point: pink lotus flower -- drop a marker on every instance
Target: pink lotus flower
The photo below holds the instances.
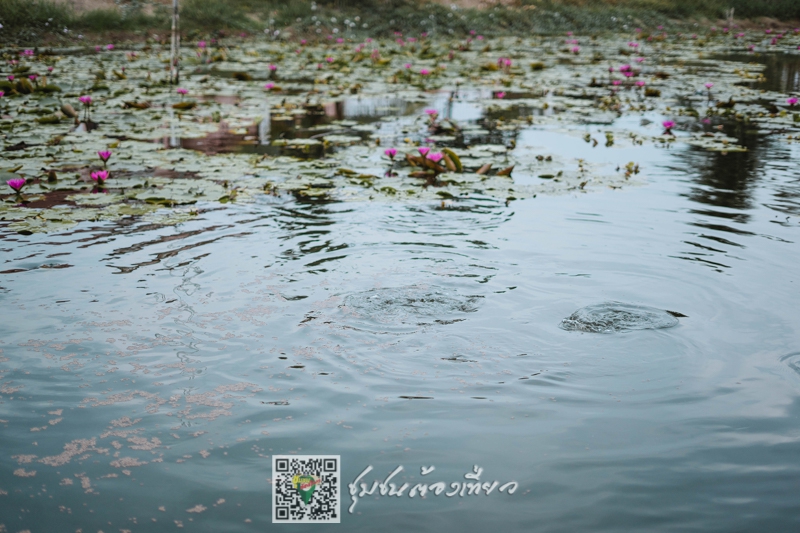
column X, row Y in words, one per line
column 109, row 47
column 33, row 77
column 767, row 31
column 424, row 72
column 390, row 153
column 423, row 150
column 303, row 42
column 2, row 94
column 100, row 176
column 575, row 49
column 98, row 48
column 11, row 77
column 181, row 91
column 624, row 68
column 436, row 157
column 616, row 82
column 708, row 85
column 340, row 40
column 105, row 155
column 479, row 37
column 640, row 83
column 706, row 121
column 49, row 69
column 792, row 101
column 628, row 73
column 201, row 44
column 407, row 65
column 639, row 60
column 329, row 59
column 668, row 125
column 28, row 53
column 368, row 40
column 86, row 100
column 269, row 86
column 432, row 113
column 500, row 95
column 17, row 184
column 273, row 68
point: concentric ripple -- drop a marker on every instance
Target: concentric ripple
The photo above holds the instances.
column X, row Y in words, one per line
column 611, row 317
column 405, row 309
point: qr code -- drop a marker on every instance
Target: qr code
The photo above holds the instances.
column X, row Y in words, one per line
column 306, row 489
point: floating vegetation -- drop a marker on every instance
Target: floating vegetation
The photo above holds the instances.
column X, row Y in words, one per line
column 319, row 129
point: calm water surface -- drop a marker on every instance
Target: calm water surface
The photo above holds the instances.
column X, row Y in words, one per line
column 147, row 370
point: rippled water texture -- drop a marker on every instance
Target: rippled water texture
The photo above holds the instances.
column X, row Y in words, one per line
column 149, row 371
column 615, row 316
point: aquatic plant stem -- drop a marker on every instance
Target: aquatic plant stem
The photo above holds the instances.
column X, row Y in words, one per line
column 174, row 71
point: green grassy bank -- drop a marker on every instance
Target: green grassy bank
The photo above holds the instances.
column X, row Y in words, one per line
column 36, row 21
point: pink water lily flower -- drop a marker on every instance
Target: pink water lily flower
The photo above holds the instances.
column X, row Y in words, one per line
column 109, row 47
column 2, row 94
column 86, row 100
column 105, row 155
column 100, row 176
column 436, row 157
column 423, row 150
column 500, row 95
column 407, row 65
column 269, row 86
column 616, row 82
column 10, row 77
column 181, row 91
column 273, row 68
column 17, row 184
column 432, row 112
column 708, row 85
column 201, row 44
column 424, row 71
column 390, row 153
column 792, row 101
column 640, row 83
column 28, row 53
column 575, row 49
column 329, row 59
column 668, row 125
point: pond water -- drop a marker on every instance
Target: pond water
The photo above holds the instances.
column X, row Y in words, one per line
column 150, row 371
